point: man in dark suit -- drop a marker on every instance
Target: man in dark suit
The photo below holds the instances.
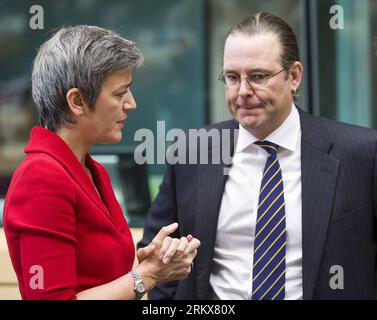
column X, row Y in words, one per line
column 293, row 216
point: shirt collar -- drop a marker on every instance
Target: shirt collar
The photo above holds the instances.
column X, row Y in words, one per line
column 285, row 136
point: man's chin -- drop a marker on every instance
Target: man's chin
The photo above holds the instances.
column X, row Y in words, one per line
column 250, row 112
column 250, row 120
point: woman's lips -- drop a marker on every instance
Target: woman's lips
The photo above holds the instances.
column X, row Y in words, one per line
column 121, row 123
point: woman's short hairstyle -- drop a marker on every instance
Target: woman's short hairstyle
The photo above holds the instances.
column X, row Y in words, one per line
column 77, row 57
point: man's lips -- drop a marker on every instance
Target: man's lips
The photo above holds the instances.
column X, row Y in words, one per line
column 250, row 107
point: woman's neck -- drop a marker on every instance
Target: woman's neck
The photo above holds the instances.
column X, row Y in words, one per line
column 75, row 141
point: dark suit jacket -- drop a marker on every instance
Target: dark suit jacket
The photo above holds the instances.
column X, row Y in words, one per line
column 339, row 197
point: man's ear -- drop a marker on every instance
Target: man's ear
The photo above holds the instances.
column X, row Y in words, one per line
column 75, row 101
column 296, row 74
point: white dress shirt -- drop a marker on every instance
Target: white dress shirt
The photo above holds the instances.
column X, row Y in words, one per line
column 232, row 272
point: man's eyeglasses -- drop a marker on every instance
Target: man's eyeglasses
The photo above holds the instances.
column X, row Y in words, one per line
column 233, row 81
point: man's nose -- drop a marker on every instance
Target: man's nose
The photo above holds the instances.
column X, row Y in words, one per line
column 245, row 88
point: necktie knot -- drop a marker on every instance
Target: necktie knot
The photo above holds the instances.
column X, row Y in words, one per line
column 270, row 147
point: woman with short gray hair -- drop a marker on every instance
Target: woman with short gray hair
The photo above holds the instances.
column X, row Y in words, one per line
column 65, row 230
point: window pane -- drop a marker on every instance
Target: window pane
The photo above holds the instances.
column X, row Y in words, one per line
column 347, row 67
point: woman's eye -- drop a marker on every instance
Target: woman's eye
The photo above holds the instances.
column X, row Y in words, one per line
column 121, row 94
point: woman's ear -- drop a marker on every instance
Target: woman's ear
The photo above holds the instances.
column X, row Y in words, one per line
column 75, row 101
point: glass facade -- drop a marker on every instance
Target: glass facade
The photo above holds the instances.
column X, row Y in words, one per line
column 182, row 42
column 347, row 64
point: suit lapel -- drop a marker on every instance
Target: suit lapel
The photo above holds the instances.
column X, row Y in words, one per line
column 211, row 183
column 45, row 141
column 77, row 172
column 106, row 200
column 210, row 191
column 319, row 172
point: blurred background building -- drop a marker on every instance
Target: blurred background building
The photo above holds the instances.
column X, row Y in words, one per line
column 182, row 41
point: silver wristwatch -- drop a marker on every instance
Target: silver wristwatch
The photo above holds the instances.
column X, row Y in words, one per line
column 139, row 286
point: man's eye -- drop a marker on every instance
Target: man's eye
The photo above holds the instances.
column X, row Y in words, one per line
column 231, row 77
column 258, row 76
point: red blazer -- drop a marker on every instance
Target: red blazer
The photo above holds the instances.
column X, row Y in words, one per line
column 62, row 237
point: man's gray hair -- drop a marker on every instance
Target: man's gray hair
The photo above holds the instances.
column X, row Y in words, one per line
column 77, row 57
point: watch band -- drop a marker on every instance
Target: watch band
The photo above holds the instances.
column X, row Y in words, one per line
column 139, row 286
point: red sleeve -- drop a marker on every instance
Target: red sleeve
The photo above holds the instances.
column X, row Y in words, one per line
column 41, row 212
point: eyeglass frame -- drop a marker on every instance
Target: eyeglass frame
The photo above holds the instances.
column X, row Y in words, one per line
column 221, row 78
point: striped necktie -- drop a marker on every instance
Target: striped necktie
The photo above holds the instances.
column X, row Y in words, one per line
column 270, row 233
